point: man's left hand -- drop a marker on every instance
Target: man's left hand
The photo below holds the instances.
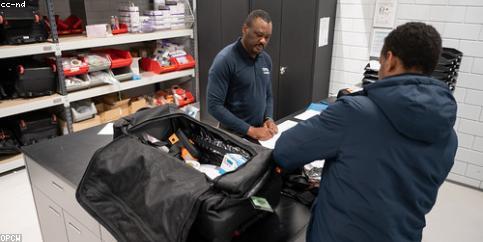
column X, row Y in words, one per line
column 271, row 126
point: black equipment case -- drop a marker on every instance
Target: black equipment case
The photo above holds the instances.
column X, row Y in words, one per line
column 23, row 32
column 32, row 78
column 8, row 143
column 36, row 126
column 141, row 193
column 19, row 10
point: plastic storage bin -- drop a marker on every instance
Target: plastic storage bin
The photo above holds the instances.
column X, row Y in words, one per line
column 97, row 61
column 75, row 83
column 183, row 62
column 119, row 58
column 122, row 73
column 83, row 110
column 148, row 64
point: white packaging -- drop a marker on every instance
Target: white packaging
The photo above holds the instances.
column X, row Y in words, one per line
column 211, row 171
column 177, row 9
column 129, row 8
column 231, row 162
column 135, row 68
column 97, row 30
column 166, row 18
column 130, row 19
column 158, row 3
column 156, row 12
column 162, row 27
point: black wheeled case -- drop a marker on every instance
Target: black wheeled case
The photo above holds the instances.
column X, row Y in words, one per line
column 16, row 32
column 139, row 192
column 19, row 10
column 8, row 142
column 36, row 126
column 33, row 78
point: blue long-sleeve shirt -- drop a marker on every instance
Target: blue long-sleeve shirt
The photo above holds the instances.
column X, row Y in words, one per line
column 239, row 93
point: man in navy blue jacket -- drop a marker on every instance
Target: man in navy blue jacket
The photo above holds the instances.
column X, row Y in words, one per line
column 239, row 93
column 387, row 151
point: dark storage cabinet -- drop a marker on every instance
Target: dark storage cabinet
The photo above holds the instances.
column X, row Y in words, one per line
column 301, row 69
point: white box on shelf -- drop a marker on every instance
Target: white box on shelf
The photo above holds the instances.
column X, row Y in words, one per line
column 177, row 9
column 97, row 30
column 129, row 8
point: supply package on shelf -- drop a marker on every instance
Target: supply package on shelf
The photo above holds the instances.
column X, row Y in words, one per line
column 98, row 67
column 168, row 57
column 175, row 95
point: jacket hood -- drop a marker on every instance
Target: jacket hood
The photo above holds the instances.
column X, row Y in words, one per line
column 418, row 107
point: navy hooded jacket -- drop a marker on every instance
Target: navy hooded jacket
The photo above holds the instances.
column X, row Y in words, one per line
column 387, row 153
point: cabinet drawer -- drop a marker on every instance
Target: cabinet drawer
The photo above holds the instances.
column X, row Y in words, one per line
column 50, row 217
column 77, row 232
column 106, row 236
column 60, row 192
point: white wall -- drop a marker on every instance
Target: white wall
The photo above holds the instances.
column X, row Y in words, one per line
column 460, row 23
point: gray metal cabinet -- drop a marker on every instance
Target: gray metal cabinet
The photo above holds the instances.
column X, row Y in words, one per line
column 50, row 217
column 301, row 68
column 76, row 232
column 60, row 216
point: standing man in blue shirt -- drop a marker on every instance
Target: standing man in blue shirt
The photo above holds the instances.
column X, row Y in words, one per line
column 387, row 151
column 239, row 93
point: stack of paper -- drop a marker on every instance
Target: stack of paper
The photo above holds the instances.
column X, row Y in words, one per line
column 281, row 128
column 312, row 110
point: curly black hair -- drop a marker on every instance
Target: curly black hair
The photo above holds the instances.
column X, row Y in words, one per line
column 258, row 13
column 418, row 45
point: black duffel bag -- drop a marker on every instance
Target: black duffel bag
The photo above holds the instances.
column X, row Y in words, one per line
column 139, row 192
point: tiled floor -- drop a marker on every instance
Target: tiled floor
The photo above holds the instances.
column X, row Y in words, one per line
column 456, row 217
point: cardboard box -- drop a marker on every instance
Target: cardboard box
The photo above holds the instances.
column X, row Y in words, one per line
column 113, row 114
column 135, row 105
column 81, row 125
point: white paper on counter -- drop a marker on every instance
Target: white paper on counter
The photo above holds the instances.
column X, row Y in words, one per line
column 307, row 114
column 107, row 130
column 281, row 128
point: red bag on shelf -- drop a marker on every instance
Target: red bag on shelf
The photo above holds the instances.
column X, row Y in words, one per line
column 75, row 24
column 71, row 25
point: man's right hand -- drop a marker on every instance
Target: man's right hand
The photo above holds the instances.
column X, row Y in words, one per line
column 261, row 133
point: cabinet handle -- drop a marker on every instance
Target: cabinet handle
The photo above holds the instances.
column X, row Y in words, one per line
column 75, row 228
column 58, row 186
column 283, row 69
column 55, row 211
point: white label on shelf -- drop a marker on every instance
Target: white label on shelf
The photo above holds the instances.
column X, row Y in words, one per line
column 57, row 100
column 47, row 48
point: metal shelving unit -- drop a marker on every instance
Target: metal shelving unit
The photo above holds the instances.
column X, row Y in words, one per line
column 17, row 106
column 11, row 162
column 83, row 42
column 7, row 51
column 147, row 78
column 56, row 46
